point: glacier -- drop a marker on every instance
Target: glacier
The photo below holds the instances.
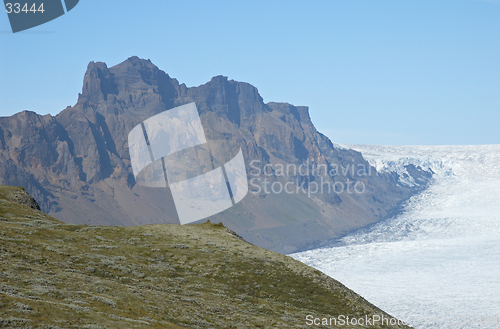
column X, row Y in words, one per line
column 437, row 263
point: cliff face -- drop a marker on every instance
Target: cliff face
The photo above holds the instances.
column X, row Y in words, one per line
column 77, row 166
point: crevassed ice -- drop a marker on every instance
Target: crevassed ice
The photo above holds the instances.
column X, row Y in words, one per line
column 439, row 259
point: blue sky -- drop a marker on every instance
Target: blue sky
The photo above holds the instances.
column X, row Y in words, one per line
column 371, row 71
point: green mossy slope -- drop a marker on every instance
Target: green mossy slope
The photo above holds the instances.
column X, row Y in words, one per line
column 56, row 275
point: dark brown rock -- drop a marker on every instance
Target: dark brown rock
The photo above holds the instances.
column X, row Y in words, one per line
column 77, row 164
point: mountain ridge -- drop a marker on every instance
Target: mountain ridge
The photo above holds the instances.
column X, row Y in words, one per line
column 76, row 164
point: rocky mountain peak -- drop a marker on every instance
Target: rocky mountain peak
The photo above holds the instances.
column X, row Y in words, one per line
column 98, row 82
column 77, row 164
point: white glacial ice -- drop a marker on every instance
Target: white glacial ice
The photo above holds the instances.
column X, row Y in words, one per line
column 437, row 264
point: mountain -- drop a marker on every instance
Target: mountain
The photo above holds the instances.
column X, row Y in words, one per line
column 77, row 165
column 155, row 276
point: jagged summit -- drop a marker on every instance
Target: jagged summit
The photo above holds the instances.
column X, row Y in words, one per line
column 77, row 166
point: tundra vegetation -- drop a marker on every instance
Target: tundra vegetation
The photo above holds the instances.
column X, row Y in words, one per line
column 57, row 275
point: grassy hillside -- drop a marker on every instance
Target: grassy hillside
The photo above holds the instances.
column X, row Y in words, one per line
column 56, row 275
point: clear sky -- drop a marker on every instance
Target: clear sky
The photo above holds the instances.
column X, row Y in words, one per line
column 371, row 71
